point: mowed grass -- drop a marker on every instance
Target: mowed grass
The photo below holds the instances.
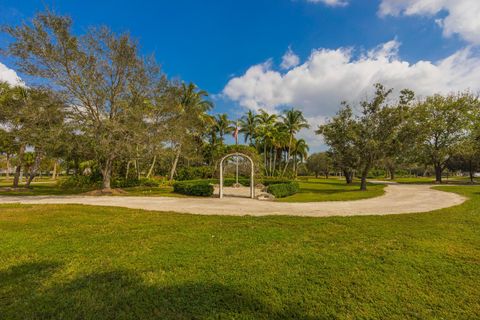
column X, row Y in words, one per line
column 50, row 187
column 311, row 190
column 332, row 189
column 80, row 262
column 431, row 180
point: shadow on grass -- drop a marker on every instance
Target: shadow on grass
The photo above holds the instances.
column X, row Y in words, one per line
column 123, row 294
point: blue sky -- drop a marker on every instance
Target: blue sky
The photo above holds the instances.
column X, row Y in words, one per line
column 214, row 42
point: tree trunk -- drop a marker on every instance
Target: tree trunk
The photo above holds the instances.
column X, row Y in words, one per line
column 271, row 161
column 18, row 169
column 8, row 166
column 174, row 165
column 265, row 155
column 274, row 161
column 34, row 169
column 107, row 175
column 128, row 170
column 363, row 182
column 438, row 173
column 348, row 176
column 288, row 155
column 54, row 173
column 150, row 171
column 295, row 165
column 471, row 171
column 392, row 174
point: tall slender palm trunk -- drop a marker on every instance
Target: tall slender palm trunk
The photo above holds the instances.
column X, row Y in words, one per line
column 175, row 162
column 150, row 171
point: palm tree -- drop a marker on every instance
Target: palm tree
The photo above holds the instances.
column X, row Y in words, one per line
column 248, row 126
column 191, row 116
column 266, row 124
column 279, row 141
column 300, row 149
column 223, row 126
column 294, row 121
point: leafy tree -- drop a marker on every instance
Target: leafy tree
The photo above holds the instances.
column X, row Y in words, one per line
column 294, row 121
column 339, row 135
column 99, row 74
column 223, row 126
column 400, row 147
column 248, row 126
column 266, row 127
column 300, row 150
column 375, row 128
column 188, row 120
column 441, row 124
column 320, row 163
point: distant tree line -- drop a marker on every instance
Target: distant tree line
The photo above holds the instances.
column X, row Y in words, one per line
column 439, row 131
column 101, row 108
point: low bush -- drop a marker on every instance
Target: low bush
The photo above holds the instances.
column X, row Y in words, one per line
column 125, row 183
column 199, row 188
column 81, row 182
column 271, row 181
column 282, row 190
column 228, row 182
column 194, row 173
column 147, row 182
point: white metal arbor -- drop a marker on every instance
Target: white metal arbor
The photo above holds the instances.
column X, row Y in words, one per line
column 252, row 173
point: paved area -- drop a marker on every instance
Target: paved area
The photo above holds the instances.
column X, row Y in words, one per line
column 397, row 199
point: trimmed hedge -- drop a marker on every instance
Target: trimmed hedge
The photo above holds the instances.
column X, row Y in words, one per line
column 199, row 188
column 228, row 182
column 282, row 190
column 269, row 181
column 127, row 183
column 81, row 182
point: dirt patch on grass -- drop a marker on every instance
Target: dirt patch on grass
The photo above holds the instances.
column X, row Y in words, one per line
column 104, row 192
column 11, row 189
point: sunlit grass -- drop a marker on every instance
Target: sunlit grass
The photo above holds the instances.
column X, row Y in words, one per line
column 83, row 262
column 333, row 189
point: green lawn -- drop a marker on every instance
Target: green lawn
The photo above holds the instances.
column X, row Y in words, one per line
column 311, row 190
column 333, row 189
column 431, row 180
column 80, row 262
column 49, row 187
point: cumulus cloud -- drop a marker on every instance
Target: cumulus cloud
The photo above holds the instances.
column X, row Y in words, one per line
column 289, row 60
column 328, row 77
column 462, row 16
column 9, row 75
column 332, row 3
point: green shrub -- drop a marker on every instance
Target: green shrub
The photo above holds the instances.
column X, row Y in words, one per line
column 194, row 173
column 199, row 188
column 121, row 182
column 283, row 190
column 228, row 182
column 271, row 181
column 147, row 182
column 81, row 182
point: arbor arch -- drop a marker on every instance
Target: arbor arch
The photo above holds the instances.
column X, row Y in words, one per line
column 252, row 172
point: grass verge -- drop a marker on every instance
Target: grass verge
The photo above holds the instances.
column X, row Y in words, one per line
column 110, row 263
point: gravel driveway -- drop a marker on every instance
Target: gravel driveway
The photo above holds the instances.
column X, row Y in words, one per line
column 397, row 199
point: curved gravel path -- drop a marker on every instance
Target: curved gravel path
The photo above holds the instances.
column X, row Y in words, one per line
column 397, row 199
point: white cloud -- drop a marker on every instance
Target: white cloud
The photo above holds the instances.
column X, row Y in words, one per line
column 332, row 3
column 289, row 60
column 462, row 17
column 330, row 76
column 9, row 75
